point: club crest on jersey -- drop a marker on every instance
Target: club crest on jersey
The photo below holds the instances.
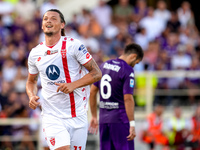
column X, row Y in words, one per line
column 52, row 72
column 50, row 52
column 52, row 141
column 63, row 53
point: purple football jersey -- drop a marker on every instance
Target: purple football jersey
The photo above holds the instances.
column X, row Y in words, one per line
column 117, row 80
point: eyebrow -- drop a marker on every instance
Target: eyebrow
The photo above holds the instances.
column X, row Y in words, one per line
column 50, row 16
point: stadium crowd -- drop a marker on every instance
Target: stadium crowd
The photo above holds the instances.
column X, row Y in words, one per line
column 169, row 38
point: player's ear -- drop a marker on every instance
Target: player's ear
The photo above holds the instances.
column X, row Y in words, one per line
column 62, row 25
column 42, row 23
column 133, row 56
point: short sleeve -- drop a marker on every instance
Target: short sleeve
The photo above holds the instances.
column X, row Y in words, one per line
column 129, row 82
column 96, row 84
column 81, row 53
column 32, row 69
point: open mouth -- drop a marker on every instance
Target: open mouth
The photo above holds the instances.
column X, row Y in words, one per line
column 49, row 26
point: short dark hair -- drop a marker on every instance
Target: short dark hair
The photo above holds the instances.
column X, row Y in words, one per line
column 134, row 48
column 61, row 18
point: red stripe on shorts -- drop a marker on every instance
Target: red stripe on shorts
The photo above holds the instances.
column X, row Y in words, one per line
column 67, row 76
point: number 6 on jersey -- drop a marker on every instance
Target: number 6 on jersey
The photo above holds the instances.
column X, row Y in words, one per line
column 105, row 82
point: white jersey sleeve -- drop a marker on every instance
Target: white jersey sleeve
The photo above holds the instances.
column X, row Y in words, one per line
column 31, row 64
column 81, row 53
column 83, row 56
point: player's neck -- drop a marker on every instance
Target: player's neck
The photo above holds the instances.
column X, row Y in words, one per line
column 124, row 58
column 52, row 40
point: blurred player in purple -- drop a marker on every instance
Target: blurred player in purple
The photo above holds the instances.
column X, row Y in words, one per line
column 116, row 117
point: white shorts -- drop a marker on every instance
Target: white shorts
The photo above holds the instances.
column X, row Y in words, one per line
column 68, row 131
column 42, row 138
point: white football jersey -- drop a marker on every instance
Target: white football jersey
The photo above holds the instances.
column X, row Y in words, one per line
column 63, row 63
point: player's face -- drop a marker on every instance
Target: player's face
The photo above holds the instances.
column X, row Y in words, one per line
column 51, row 23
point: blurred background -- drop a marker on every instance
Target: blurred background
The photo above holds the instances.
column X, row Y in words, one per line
column 168, row 76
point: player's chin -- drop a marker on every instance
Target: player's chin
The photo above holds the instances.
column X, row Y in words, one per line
column 48, row 33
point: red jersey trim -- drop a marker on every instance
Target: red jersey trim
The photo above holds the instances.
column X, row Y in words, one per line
column 68, row 79
column 52, row 45
column 87, row 61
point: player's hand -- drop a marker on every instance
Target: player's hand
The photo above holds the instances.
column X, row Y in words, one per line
column 93, row 128
column 33, row 102
column 65, row 87
column 132, row 134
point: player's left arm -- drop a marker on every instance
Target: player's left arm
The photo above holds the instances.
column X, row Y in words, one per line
column 94, row 75
column 129, row 106
column 93, row 127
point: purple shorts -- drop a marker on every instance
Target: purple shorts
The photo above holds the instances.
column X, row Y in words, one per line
column 113, row 137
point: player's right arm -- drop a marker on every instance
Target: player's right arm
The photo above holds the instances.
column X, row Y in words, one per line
column 93, row 128
column 31, row 90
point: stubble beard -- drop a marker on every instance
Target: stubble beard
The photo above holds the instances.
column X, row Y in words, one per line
column 49, row 34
